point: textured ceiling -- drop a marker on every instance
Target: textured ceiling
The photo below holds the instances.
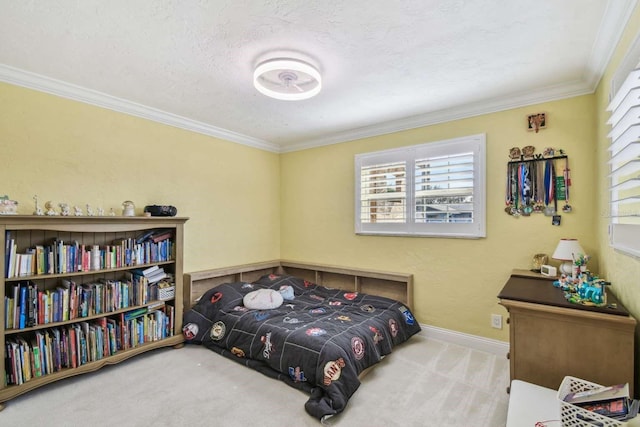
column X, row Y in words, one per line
column 386, row 65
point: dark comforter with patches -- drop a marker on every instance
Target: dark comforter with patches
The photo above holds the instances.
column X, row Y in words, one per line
column 319, row 342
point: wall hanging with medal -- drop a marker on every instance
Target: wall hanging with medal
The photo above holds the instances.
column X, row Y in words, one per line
column 535, row 185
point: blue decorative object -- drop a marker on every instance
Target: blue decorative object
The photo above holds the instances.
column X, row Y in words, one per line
column 586, row 289
column 287, row 292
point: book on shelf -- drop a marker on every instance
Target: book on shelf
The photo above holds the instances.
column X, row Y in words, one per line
column 32, row 304
column 160, row 236
column 156, row 277
column 8, row 312
column 155, row 235
column 23, row 307
column 144, row 236
column 16, row 306
column 36, row 359
column 133, row 314
column 150, row 270
column 7, row 252
column 153, row 274
column 72, row 346
column 25, row 358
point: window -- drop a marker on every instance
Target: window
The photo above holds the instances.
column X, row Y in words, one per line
column 625, row 166
column 435, row 189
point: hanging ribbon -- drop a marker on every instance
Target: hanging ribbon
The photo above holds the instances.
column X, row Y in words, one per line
column 567, row 179
column 548, row 182
column 567, row 184
column 508, row 194
column 539, row 185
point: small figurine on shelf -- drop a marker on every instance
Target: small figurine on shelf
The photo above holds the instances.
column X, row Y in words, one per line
column 64, row 209
column 112, row 212
column 8, row 206
column 38, row 210
column 128, row 208
column 90, row 211
column 100, row 211
column 77, row 210
column 49, row 206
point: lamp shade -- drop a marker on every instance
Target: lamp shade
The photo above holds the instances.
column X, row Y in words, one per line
column 567, row 250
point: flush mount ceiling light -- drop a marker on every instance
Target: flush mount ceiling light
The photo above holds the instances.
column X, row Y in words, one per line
column 287, row 79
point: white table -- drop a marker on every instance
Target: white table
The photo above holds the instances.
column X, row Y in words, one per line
column 530, row 404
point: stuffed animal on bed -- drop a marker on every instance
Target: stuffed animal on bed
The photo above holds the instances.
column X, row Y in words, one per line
column 287, row 292
column 263, row 299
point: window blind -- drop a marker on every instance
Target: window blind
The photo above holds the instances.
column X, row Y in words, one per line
column 444, row 189
column 383, row 193
column 433, row 189
column 624, row 162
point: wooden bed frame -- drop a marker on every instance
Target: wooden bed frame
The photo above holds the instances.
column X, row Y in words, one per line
column 397, row 286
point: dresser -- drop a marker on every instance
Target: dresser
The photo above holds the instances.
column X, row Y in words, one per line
column 550, row 337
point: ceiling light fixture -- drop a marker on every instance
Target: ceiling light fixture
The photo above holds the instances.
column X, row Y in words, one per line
column 287, row 79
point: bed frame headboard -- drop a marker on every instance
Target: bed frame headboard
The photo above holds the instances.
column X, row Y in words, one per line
column 398, row 286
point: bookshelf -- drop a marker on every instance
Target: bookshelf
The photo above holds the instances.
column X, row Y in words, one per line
column 88, row 294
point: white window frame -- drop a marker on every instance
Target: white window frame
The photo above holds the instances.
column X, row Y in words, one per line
column 476, row 229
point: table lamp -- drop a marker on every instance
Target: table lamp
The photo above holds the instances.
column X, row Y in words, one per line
column 567, row 251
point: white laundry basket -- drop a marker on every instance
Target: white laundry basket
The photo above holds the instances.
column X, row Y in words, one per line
column 574, row 416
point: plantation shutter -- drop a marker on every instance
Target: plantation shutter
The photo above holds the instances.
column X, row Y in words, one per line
column 625, row 166
column 444, row 189
column 434, row 189
column 383, row 193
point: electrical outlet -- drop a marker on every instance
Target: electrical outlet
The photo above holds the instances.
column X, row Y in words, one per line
column 496, row 321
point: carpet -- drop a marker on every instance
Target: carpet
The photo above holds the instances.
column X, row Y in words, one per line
column 424, row 382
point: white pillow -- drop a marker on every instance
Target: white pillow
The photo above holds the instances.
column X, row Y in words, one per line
column 263, row 299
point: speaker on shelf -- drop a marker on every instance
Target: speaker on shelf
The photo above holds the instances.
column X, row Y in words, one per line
column 161, row 210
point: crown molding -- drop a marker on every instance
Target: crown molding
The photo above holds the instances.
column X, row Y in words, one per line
column 613, row 24
column 62, row 89
column 77, row 93
column 550, row 93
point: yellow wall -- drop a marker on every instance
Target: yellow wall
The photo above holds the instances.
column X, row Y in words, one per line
column 456, row 281
column 622, row 270
column 250, row 205
column 68, row 151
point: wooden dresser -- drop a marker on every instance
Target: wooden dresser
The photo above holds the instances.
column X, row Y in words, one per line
column 551, row 337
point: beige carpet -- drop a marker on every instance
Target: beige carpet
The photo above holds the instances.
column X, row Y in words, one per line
column 424, row 382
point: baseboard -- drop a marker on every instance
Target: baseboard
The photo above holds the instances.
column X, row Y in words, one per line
column 499, row 348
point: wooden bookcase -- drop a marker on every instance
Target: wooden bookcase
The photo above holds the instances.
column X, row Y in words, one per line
column 115, row 236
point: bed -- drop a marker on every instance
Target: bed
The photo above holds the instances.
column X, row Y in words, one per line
column 318, row 328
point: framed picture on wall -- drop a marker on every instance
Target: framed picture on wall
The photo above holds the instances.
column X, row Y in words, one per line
column 537, row 121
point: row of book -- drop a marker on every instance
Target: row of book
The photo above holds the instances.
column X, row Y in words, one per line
column 27, row 304
column 62, row 257
column 47, row 351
